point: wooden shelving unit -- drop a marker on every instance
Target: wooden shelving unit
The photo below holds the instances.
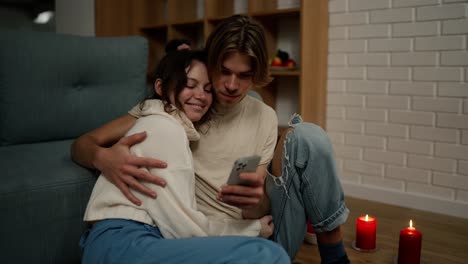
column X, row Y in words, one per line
column 162, row 20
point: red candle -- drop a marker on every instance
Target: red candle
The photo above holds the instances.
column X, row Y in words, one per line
column 366, row 227
column 409, row 249
column 310, row 229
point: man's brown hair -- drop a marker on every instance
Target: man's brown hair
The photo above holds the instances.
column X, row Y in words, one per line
column 239, row 33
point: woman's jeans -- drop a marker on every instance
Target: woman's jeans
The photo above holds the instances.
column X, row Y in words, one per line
column 309, row 187
column 127, row 241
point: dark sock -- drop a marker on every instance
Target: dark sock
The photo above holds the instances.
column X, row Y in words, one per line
column 333, row 254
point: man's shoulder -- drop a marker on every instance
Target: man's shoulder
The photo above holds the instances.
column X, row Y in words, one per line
column 261, row 113
column 260, row 107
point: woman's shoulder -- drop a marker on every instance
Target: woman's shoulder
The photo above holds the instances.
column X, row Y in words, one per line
column 161, row 121
column 151, row 107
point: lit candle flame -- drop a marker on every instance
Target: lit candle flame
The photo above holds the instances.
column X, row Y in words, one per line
column 367, row 218
column 411, row 223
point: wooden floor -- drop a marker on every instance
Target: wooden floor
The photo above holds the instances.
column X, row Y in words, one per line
column 445, row 238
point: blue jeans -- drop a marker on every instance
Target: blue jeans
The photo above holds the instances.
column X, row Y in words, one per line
column 127, row 241
column 309, row 187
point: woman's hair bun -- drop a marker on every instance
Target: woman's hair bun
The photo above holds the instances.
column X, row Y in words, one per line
column 175, row 43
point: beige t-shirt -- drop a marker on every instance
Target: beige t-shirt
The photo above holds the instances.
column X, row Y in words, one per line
column 247, row 128
column 175, row 210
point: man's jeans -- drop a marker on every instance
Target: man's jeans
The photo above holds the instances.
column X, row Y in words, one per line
column 309, row 187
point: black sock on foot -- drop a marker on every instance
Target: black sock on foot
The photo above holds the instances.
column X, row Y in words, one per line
column 333, row 254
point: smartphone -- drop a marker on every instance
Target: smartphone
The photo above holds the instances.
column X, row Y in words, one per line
column 244, row 164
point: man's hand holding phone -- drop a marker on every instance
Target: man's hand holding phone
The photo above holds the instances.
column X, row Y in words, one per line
column 248, row 193
column 245, row 164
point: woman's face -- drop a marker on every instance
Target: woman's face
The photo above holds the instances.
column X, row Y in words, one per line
column 196, row 97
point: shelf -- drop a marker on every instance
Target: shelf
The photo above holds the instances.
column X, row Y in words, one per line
column 217, row 18
column 145, row 28
column 302, row 31
column 276, row 13
column 188, row 23
column 156, row 33
column 193, row 22
column 285, row 73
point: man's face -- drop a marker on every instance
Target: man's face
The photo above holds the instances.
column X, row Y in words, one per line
column 235, row 79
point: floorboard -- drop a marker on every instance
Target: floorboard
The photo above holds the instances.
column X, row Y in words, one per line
column 445, row 238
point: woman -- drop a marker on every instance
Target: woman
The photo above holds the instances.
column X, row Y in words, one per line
column 123, row 232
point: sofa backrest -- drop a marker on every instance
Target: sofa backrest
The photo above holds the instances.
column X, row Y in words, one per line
column 56, row 86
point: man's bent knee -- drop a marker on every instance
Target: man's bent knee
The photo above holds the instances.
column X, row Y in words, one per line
column 308, row 134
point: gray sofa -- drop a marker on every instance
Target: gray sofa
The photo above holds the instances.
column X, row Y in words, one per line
column 54, row 88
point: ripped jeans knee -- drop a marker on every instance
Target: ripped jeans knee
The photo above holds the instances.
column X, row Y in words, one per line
column 281, row 180
column 308, row 180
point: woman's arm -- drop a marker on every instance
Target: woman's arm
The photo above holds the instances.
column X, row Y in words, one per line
column 107, row 150
column 175, row 212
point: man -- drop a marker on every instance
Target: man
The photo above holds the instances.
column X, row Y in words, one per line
column 300, row 182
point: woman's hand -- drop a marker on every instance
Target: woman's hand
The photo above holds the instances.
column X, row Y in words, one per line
column 267, row 226
column 123, row 169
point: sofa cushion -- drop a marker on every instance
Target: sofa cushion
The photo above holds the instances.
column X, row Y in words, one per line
column 43, row 194
column 56, row 86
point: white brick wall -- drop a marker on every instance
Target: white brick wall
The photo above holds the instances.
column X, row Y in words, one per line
column 398, row 101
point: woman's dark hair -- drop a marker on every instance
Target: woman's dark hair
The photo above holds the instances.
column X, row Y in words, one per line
column 172, row 74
